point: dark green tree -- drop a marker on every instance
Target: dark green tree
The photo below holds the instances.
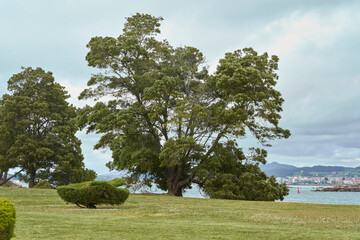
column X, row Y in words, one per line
column 6, row 140
column 38, row 126
column 171, row 123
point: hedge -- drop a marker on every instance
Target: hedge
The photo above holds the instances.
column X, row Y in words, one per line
column 7, row 219
column 90, row 194
column 43, row 184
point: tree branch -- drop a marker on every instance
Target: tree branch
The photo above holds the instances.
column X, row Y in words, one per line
column 216, row 141
column 6, row 180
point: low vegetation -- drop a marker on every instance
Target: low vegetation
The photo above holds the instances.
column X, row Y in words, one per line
column 43, row 184
column 92, row 193
column 7, row 219
column 42, row 214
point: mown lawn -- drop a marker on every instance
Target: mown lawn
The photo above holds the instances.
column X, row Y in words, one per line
column 41, row 214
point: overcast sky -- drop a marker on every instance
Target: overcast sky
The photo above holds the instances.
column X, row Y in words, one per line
column 318, row 43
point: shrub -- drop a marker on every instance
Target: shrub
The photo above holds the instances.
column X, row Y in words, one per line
column 117, row 182
column 93, row 193
column 43, row 184
column 7, row 219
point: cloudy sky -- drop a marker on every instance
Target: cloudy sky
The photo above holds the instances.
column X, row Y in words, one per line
column 318, row 43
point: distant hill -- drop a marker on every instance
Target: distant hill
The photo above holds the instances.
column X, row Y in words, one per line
column 278, row 169
column 284, row 170
column 111, row 175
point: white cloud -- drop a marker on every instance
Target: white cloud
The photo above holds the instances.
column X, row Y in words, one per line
column 74, row 91
column 356, row 160
column 299, row 29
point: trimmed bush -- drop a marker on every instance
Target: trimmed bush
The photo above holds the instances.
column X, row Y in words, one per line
column 117, row 182
column 7, row 219
column 90, row 194
column 43, row 184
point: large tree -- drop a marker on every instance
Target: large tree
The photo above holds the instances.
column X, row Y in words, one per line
column 38, row 128
column 170, row 123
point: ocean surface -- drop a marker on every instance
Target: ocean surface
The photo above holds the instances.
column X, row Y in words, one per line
column 308, row 196
column 305, row 195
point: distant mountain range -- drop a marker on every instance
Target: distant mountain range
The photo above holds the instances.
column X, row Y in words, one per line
column 278, row 170
column 284, row 170
column 111, row 175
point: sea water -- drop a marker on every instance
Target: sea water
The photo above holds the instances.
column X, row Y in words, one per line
column 305, row 195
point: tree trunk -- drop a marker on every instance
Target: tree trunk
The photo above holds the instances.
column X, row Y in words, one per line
column 32, row 179
column 174, row 183
column 175, row 191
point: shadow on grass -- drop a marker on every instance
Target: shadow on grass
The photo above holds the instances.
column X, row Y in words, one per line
column 98, row 208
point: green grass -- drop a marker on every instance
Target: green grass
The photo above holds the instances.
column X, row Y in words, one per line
column 41, row 214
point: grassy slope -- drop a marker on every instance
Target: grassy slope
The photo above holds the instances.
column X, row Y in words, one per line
column 41, row 214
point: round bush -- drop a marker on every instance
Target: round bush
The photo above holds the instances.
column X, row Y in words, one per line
column 90, row 194
column 7, row 219
column 43, row 184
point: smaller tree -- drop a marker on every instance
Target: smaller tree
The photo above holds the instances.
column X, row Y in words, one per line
column 38, row 129
column 90, row 194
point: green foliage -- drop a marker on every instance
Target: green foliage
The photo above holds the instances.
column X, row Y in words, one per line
column 67, row 174
column 90, row 194
column 43, row 184
column 228, row 174
column 38, row 129
column 7, row 219
column 7, row 138
column 168, row 118
column 247, row 186
column 117, row 182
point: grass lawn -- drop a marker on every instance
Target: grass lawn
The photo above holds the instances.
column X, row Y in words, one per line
column 41, row 214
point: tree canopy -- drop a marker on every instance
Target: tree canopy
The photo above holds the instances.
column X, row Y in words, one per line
column 171, row 123
column 38, row 129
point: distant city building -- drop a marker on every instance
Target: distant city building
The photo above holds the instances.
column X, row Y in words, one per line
column 319, row 180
